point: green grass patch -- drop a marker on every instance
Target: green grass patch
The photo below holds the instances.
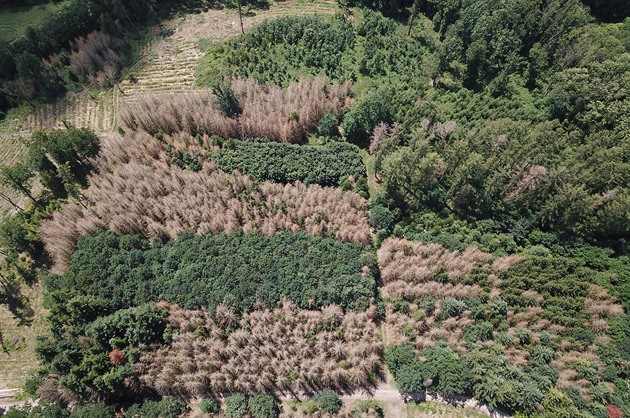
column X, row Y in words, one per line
column 15, row 20
column 430, row 408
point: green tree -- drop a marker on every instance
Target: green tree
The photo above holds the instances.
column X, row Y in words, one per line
column 209, row 406
column 235, row 405
column 19, row 177
column 328, row 401
column 263, row 406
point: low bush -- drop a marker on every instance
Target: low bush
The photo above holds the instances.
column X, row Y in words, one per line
column 236, row 406
column 263, row 406
column 274, row 51
column 328, row 401
column 369, row 406
column 98, row 410
column 167, row 407
column 209, row 406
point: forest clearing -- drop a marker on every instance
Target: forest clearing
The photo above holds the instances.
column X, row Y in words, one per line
column 315, row 208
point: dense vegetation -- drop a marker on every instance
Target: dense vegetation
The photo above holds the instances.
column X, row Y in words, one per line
column 235, row 269
column 329, row 165
column 507, row 136
column 501, row 138
column 139, row 189
column 496, row 136
column 541, row 316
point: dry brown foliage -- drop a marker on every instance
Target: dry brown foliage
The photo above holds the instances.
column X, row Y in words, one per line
column 275, row 351
column 527, row 179
column 566, row 361
column 97, row 58
column 417, row 328
column 136, row 191
column 601, row 305
column 416, row 262
column 504, row 263
column 410, row 291
column 268, row 111
column 382, row 132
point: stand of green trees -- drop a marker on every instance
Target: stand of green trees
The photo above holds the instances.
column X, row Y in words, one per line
column 328, row 165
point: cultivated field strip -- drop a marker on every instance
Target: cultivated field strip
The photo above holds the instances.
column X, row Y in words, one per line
column 169, row 67
column 12, row 147
column 83, row 109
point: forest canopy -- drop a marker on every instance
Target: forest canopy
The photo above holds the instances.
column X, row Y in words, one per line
column 439, row 189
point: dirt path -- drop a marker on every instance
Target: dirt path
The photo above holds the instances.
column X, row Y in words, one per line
column 387, row 395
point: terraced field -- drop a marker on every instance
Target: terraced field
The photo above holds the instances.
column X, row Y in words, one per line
column 12, row 146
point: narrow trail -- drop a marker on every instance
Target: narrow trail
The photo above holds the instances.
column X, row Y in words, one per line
column 395, row 406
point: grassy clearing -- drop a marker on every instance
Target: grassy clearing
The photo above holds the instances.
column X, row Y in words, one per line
column 20, row 360
column 15, row 20
column 432, row 409
column 373, row 185
column 12, row 147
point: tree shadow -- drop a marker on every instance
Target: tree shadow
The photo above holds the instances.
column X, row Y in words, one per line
column 15, row 300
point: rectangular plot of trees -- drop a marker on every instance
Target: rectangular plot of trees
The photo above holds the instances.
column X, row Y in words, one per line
column 240, row 270
column 286, row 163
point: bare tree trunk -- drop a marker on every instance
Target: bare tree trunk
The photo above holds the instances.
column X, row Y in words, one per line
column 8, row 199
column 240, row 15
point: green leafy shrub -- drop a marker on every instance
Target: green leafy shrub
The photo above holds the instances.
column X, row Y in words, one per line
column 359, row 122
column 263, row 406
column 43, row 409
column 541, row 354
column 144, row 324
column 328, row 401
column 287, row 163
column 167, row 407
column 381, row 218
column 328, row 125
column 235, row 405
column 368, row 405
column 480, row 331
column 410, row 380
column 309, row 407
column 398, row 357
column 98, row 410
column 281, row 50
column 227, row 102
column 524, row 335
column 209, row 406
column 451, row 307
